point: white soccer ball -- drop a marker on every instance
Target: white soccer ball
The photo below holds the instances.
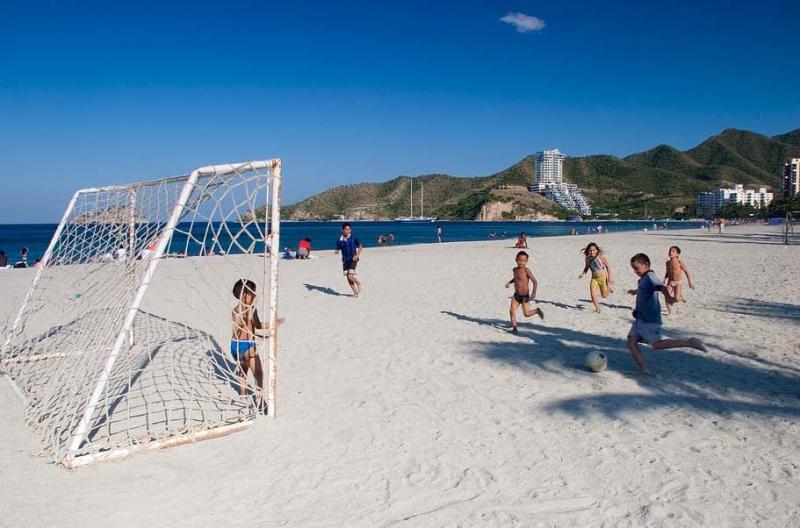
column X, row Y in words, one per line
column 596, row 361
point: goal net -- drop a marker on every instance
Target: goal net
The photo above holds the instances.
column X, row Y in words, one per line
column 791, row 228
column 130, row 336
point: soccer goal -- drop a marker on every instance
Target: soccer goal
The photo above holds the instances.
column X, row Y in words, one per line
column 123, row 341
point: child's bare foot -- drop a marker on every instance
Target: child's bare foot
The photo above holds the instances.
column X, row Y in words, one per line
column 514, row 330
column 644, row 371
column 541, row 313
column 697, row 344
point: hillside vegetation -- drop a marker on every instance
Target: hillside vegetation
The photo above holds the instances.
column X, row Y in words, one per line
column 656, row 183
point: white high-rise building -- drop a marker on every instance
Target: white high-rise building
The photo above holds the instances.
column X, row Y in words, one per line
column 549, row 167
column 548, row 180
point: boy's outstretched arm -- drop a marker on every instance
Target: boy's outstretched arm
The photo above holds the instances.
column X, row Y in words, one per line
column 688, row 277
column 667, row 296
column 534, row 283
column 585, row 269
column 608, row 269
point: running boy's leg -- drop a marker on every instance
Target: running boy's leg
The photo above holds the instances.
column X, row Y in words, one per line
column 513, row 313
column 526, row 309
column 355, row 285
column 692, row 342
column 633, row 346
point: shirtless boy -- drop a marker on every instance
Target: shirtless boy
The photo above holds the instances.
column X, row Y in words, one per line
column 522, row 295
column 673, row 276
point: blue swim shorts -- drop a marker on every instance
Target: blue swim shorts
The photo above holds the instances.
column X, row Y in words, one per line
column 239, row 349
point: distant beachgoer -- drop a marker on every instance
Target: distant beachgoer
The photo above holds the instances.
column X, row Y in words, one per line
column 599, row 229
column 522, row 241
column 674, row 276
column 351, row 249
column 287, row 254
column 3, row 259
column 23, row 258
column 522, row 275
column 390, row 238
column 38, row 263
column 602, row 279
column 304, row 248
column 574, row 231
column 243, row 337
column 646, row 326
column 381, row 239
column 439, row 233
column 492, row 235
column 721, row 226
column 120, row 253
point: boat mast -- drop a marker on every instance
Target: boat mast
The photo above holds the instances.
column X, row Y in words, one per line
column 412, row 198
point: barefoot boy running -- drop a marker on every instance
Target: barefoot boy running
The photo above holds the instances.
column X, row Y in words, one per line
column 647, row 326
column 522, row 296
column 674, row 276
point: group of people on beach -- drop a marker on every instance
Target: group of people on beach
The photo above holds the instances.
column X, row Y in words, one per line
column 21, row 263
column 646, row 327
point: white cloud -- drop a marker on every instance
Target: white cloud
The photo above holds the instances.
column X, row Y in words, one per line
column 523, row 23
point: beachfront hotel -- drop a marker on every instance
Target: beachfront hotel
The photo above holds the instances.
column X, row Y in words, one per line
column 710, row 203
column 791, row 178
column 548, row 181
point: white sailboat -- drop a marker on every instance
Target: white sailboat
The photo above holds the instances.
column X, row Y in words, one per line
column 421, row 218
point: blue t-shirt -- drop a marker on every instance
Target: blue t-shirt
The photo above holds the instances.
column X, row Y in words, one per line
column 348, row 247
column 648, row 307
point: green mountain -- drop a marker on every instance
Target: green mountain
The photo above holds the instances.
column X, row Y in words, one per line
column 655, row 182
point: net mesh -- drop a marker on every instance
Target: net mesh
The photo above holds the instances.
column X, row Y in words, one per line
column 123, row 282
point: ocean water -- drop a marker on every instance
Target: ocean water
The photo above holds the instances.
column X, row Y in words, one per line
column 36, row 237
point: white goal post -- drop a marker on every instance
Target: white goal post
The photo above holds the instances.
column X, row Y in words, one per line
column 122, row 340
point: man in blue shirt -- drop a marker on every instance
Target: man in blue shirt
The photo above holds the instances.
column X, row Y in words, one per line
column 647, row 326
column 351, row 248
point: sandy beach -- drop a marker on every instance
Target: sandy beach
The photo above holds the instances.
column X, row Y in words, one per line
column 415, row 406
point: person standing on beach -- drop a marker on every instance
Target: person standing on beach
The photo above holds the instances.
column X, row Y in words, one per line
column 439, row 233
column 3, row 259
column 602, row 280
column 646, row 326
column 351, row 248
column 522, row 295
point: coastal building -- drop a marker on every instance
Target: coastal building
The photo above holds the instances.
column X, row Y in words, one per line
column 791, row 178
column 709, row 203
column 548, row 181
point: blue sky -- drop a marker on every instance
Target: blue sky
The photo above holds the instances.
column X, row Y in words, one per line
column 100, row 92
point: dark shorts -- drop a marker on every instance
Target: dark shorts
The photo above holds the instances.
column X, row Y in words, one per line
column 349, row 266
column 522, row 298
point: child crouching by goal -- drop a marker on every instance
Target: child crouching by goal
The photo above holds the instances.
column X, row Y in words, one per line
column 243, row 344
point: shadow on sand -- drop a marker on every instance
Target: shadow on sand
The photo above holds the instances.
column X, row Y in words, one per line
column 325, row 290
column 684, row 378
column 759, row 308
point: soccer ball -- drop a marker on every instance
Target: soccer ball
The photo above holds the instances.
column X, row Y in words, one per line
column 596, row 361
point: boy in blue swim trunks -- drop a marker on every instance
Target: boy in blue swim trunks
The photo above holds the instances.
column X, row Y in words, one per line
column 646, row 327
column 243, row 339
column 351, row 248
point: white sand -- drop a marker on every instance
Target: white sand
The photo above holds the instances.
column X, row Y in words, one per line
column 413, row 406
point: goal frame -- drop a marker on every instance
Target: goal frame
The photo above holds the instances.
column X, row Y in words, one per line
column 272, row 252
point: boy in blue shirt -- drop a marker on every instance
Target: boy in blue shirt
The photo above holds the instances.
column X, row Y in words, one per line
column 351, row 248
column 647, row 326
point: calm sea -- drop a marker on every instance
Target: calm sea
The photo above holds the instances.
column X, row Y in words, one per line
column 36, row 237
